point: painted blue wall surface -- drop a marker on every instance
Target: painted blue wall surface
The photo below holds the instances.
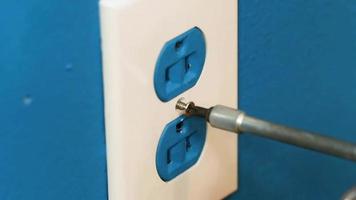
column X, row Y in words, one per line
column 297, row 67
column 52, row 144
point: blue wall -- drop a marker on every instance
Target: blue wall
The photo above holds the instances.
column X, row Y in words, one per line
column 51, row 106
column 297, row 67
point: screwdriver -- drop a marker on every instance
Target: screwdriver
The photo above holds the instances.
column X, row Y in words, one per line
column 233, row 120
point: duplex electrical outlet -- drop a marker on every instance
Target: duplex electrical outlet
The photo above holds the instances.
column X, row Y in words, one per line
column 179, row 64
column 180, row 146
column 178, row 68
column 133, row 34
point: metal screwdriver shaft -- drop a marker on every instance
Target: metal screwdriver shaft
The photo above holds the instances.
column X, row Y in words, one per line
column 233, row 120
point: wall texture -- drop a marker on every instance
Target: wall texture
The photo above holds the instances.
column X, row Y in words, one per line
column 297, row 67
column 51, row 109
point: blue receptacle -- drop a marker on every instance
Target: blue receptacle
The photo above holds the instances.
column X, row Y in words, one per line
column 179, row 64
column 180, row 146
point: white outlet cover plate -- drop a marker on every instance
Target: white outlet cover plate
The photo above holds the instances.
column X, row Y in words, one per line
column 133, row 33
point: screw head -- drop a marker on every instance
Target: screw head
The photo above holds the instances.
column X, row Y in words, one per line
column 183, row 106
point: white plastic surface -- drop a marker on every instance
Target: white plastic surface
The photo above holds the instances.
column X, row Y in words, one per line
column 133, row 33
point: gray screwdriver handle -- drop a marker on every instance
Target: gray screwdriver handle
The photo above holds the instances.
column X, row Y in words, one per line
column 230, row 119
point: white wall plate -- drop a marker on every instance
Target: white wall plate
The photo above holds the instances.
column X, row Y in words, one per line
column 133, row 33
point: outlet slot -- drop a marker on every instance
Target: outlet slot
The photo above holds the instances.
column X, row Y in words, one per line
column 187, row 144
column 178, row 45
column 179, row 127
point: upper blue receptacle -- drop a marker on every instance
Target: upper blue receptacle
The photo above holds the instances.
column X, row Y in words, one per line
column 179, row 64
